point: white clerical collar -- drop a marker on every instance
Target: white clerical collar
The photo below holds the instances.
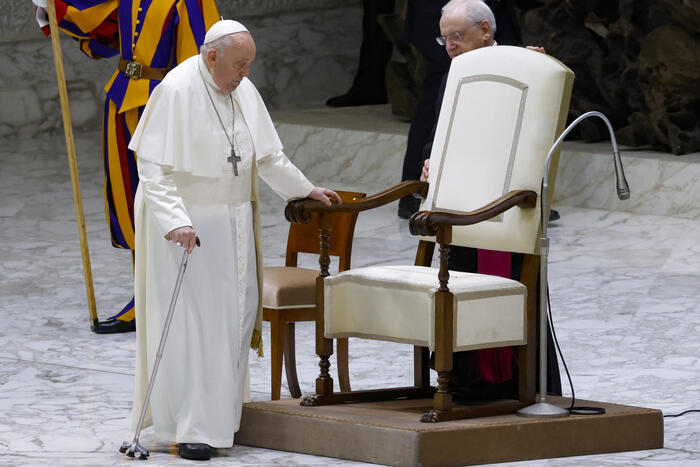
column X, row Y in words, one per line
column 204, row 71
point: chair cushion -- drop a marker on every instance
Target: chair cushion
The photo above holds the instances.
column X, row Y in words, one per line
column 285, row 287
column 397, row 303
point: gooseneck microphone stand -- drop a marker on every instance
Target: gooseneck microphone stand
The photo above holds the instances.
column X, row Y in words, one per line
column 543, row 409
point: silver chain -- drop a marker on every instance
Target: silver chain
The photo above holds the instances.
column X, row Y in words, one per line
column 233, row 111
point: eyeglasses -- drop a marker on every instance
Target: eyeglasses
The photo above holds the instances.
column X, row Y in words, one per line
column 455, row 36
column 452, row 37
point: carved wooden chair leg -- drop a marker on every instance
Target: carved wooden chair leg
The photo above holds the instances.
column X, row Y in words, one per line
column 443, row 350
column 276, row 349
column 444, row 314
column 442, row 399
column 324, row 346
column 290, row 365
column 324, row 381
column 342, row 362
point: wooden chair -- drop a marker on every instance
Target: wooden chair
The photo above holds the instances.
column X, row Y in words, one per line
column 503, row 108
column 289, row 294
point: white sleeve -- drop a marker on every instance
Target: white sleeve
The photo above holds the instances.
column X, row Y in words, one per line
column 42, row 18
column 162, row 199
column 283, row 176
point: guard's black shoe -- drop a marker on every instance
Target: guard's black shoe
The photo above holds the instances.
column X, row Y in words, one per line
column 408, row 206
column 195, row 451
column 115, row 326
column 554, row 215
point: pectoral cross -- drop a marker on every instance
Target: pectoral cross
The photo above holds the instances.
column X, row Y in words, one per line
column 234, row 160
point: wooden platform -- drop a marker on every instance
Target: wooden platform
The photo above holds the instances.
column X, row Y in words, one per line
column 390, row 433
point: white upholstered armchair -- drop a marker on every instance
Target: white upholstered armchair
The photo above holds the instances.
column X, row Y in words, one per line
column 503, row 108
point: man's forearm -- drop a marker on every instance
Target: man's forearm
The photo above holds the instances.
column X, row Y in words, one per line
column 283, row 176
column 161, row 196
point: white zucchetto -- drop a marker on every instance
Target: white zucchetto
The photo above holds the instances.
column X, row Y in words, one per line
column 223, row 28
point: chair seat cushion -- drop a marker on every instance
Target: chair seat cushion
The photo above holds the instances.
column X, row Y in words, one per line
column 285, row 287
column 397, row 303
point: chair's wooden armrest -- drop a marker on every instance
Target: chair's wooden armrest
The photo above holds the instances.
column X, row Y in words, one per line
column 299, row 210
column 428, row 223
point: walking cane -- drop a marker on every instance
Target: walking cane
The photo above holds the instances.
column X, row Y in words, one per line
column 133, row 446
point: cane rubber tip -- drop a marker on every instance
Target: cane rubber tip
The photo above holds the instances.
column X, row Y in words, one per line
column 122, row 449
column 130, row 454
column 143, row 457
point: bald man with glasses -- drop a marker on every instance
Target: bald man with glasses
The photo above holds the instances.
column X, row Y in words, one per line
column 420, row 30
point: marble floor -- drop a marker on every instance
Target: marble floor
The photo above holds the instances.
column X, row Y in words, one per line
column 625, row 293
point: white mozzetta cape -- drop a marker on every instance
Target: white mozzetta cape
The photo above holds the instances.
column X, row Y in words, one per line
column 178, row 133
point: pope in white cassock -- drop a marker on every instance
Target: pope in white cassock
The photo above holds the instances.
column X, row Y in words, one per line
column 202, row 141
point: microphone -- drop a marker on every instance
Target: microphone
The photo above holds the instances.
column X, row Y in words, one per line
column 543, row 409
column 623, row 189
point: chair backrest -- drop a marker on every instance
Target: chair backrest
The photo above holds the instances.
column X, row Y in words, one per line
column 502, row 110
column 304, row 238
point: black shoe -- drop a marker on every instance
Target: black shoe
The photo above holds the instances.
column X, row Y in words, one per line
column 195, row 451
column 408, row 206
column 114, row 326
column 554, row 215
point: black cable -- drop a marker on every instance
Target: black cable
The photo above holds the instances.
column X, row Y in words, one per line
column 573, row 410
column 682, row 413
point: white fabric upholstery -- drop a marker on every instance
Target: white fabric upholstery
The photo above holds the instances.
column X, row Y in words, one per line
column 502, row 110
column 397, row 303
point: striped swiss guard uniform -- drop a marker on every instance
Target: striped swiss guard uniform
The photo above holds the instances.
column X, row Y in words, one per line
column 151, row 37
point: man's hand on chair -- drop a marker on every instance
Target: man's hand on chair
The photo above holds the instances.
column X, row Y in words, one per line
column 325, row 195
column 536, row 49
column 426, row 171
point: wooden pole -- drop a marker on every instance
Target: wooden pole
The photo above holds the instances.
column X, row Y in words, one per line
column 72, row 163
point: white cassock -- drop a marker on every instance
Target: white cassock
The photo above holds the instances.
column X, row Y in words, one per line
column 185, row 179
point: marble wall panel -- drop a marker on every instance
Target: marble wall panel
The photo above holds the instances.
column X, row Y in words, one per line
column 17, row 21
column 660, row 184
column 303, row 58
column 307, row 52
column 29, row 95
column 371, row 160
